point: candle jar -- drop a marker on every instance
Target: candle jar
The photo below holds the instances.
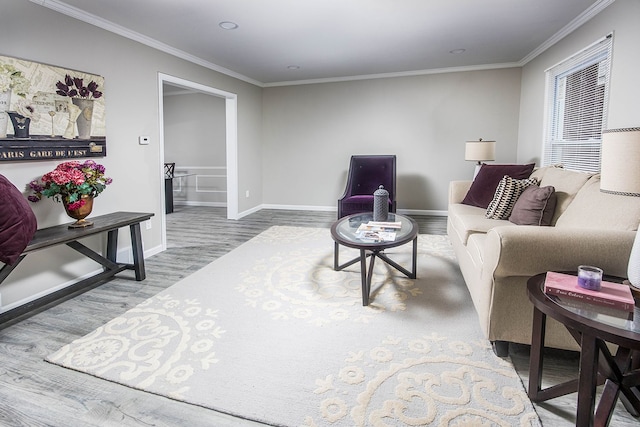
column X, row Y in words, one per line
column 589, row 277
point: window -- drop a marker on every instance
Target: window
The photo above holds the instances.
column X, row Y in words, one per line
column 576, row 101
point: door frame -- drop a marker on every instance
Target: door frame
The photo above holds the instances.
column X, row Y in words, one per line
column 231, row 136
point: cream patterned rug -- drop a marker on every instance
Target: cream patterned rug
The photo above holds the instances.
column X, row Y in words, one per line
column 269, row 332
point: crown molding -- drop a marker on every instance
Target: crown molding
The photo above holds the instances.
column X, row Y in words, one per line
column 397, row 74
column 80, row 15
column 581, row 19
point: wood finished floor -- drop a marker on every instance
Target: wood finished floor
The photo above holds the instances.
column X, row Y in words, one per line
column 35, row 393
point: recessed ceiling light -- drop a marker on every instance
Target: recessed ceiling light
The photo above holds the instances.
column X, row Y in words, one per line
column 228, row 25
column 293, row 67
column 454, row 51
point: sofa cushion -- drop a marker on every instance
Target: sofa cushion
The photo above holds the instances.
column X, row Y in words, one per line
column 539, row 172
column 17, row 222
column 535, row 206
column 593, row 209
column 467, row 220
column 567, row 184
column 485, row 183
column 506, row 195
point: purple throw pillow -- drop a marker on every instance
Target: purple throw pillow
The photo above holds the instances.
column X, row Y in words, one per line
column 18, row 223
column 484, row 185
column 535, row 206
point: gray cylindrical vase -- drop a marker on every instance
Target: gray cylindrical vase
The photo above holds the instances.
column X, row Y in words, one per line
column 380, row 204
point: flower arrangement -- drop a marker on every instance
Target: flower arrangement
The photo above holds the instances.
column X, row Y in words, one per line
column 11, row 78
column 69, row 181
column 74, row 87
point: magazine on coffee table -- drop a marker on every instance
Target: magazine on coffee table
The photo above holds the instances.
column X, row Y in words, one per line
column 376, row 236
column 380, row 226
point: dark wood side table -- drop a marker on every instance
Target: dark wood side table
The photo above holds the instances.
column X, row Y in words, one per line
column 343, row 233
column 592, row 329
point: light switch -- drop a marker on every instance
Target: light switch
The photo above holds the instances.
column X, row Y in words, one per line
column 143, row 140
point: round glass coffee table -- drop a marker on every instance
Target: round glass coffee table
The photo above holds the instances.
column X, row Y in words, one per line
column 592, row 327
column 344, row 232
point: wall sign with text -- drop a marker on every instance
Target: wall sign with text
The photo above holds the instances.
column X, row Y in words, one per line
column 48, row 112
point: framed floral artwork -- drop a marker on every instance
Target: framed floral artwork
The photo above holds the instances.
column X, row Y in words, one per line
column 49, row 112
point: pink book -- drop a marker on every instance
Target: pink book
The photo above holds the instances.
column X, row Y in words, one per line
column 614, row 295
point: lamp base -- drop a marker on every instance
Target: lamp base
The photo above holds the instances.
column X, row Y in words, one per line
column 475, row 172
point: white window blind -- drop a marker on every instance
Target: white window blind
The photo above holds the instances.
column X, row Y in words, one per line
column 577, row 93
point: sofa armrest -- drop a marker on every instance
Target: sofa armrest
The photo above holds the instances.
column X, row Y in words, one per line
column 457, row 190
column 530, row 250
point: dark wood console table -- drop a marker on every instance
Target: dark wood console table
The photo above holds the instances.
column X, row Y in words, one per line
column 62, row 234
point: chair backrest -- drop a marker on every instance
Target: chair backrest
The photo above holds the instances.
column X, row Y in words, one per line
column 368, row 173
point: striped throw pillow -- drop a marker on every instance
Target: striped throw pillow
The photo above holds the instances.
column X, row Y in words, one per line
column 506, row 195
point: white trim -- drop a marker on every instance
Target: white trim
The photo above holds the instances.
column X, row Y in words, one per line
column 335, row 209
column 199, row 190
column 197, row 203
column 231, row 124
column 581, row 19
column 199, row 167
column 398, row 74
column 581, row 51
column 123, row 255
column 140, row 38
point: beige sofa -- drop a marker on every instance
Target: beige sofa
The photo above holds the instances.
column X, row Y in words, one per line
column 497, row 257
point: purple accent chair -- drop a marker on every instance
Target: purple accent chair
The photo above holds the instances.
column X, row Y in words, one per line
column 366, row 175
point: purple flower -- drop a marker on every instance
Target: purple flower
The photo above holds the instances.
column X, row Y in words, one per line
column 35, row 186
column 67, row 88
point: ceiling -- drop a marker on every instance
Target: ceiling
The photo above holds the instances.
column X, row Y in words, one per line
column 288, row 41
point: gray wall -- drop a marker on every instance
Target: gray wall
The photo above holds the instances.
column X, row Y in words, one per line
column 194, row 138
column 621, row 17
column 294, row 142
column 132, row 109
column 310, row 132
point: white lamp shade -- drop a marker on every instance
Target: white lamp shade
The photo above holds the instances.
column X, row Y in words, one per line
column 620, row 174
column 620, row 162
column 480, row 151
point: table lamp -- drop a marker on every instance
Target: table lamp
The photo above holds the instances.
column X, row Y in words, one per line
column 479, row 151
column 620, row 174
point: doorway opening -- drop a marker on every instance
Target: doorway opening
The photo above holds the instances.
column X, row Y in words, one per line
column 231, row 141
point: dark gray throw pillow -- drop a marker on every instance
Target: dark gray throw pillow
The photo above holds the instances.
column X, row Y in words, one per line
column 535, row 206
column 485, row 183
column 17, row 222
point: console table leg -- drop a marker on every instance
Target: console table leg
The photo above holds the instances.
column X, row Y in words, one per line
column 138, row 254
column 112, row 245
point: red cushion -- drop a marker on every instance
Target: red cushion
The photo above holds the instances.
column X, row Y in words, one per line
column 17, row 222
column 484, row 185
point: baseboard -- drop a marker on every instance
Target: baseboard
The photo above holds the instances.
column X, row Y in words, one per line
column 427, row 212
column 335, row 209
column 197, row 203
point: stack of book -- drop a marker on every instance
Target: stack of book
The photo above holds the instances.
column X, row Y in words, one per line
column 376, row 232
column 613, row 299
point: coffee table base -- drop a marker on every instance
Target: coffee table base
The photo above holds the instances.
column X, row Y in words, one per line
column 366, row 274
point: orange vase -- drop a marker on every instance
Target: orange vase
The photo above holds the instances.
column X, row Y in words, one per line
column 81, row 213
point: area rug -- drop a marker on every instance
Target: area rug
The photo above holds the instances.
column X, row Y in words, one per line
column 270, row 332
